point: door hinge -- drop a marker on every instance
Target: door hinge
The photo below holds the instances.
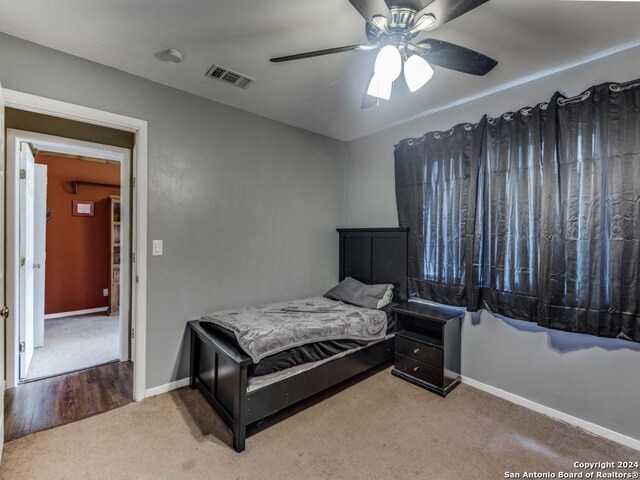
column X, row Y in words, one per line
column 4, row 313
column 23, row 174
column 22, row 261
column 21, row 347
column 132, row 333
column 133, row 257
column 133, row 182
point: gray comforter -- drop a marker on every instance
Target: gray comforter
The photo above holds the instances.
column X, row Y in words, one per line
column 269, row 329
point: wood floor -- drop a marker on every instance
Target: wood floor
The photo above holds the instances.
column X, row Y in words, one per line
column 55, row 401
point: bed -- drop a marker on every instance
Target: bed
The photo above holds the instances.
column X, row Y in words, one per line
column 243, row 391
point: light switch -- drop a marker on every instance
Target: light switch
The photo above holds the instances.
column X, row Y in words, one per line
column 157, row 248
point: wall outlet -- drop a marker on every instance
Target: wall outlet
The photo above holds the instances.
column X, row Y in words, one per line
column 105, row 292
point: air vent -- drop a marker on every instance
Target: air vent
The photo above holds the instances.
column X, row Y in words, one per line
column 229, row 76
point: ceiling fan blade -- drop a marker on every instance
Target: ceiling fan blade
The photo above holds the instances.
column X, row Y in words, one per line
column 370, row 8
column 447, row 10
column 455, row 57
column 318, row 53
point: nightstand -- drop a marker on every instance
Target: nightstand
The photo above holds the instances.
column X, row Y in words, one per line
column 427, row 346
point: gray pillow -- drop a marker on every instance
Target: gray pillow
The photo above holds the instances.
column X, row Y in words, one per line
column 357, row 293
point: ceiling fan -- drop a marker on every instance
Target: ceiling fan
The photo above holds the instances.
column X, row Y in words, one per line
column 392, row 26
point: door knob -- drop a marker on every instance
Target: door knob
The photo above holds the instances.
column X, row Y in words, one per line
column 36, row 265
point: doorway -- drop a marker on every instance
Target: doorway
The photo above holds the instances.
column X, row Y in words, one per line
column 52, row 333
column 58, row 115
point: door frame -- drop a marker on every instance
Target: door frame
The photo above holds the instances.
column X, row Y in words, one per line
column 15, row 138
column 139, row 154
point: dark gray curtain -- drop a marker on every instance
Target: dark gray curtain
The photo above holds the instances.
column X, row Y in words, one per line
column 590, row 242
column 436, row 178
column 506, row 250
column 534, row 215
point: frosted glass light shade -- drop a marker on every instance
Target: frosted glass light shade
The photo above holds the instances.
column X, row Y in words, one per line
column 417, row 72
column 388, row 64
column 380, row 87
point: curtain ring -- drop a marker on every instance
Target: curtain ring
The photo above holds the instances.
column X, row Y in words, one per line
column 491, row 120
column 526, row 111
column 618, row 87
column 469, row 126
column 437, row 135
column 544, row 105
column 578, row 98
column 508, row 116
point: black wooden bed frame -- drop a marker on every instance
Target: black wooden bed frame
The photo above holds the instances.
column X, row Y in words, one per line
column 220, row 370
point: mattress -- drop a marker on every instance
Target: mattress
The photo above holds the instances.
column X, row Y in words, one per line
column 300, row 355
column 255, row 383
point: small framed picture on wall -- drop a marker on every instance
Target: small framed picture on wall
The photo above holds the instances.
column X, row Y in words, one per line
column 83, row 208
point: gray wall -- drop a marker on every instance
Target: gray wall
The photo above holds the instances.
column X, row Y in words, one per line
column 247, row 207
column 597, row 380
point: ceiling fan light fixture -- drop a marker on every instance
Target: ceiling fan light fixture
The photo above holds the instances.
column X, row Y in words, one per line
column 417, row 72
column 388, row 64
column 425, row 22
column 380, row 87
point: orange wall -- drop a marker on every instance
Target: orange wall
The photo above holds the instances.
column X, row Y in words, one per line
column 77, row 265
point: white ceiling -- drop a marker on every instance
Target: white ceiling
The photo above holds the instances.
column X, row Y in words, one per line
column 321, row 94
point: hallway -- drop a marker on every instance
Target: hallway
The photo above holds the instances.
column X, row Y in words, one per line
column 55, row 401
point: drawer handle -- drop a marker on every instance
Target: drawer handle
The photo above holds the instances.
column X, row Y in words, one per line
column 415, row 352
column 415, row 369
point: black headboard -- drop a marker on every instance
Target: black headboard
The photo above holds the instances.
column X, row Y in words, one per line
column 375, row 255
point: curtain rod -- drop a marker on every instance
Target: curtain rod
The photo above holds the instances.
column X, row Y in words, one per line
column 614, row 87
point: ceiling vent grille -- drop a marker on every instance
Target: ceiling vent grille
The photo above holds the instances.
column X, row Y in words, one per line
column 229, row 76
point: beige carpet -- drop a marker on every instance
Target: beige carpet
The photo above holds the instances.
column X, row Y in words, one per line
column 381, row 428
column 72, row 343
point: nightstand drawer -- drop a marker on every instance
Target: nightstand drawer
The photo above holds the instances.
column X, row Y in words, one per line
column 419, row 351
column 419, row 370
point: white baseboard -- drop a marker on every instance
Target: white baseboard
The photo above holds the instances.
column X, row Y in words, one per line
column 167, row 387
column 75, row 313
column 558, row 415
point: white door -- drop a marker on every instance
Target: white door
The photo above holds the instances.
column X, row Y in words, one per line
column 26, row 199
column 39, row 251
column 2, row 299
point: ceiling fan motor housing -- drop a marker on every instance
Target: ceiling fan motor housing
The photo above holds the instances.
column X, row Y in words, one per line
column 396, row 32
column 402, row 18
